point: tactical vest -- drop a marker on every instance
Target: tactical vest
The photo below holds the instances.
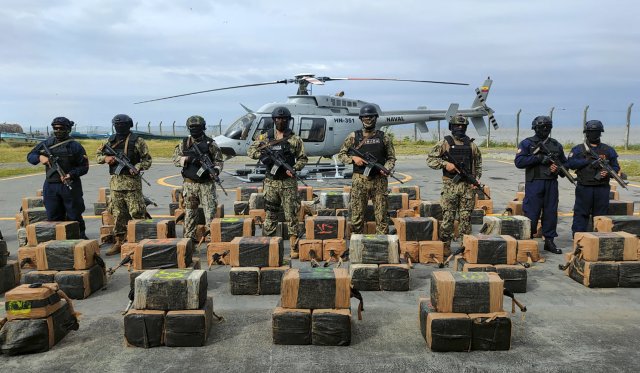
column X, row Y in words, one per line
column 373, row 145
column 586, row 175
column 132, row 154
column 540, row 171
column 65, row 159
column 284, row 148
column 463, row 154
column 190, row 170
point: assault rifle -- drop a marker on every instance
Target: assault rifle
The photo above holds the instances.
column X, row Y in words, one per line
column 542, row 149
column 371, row 162
column 603, row 164
column 123, row 161
column 463, row 175
column 279, row 162
column 54, row 165
column 207, row 165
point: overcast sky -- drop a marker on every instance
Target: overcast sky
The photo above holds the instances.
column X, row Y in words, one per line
column 89, row 60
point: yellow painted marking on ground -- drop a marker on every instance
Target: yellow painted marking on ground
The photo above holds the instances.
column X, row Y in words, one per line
column 162, row 181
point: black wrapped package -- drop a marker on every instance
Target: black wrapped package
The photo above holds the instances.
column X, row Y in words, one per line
column 144, row 328
column 133, row 274
column 432, row 209
column 477, row 216
column 617, row 223
column 34, row 215
column 394, row 277
column 170, row 289
column 326, row 212
column 241, row 207
column 514, row 276
column 38, row 277
column 620, row 208
column 29, row 336
column 316, row 288
column 256, row 252
column 4, row 253
column 365, row 277
column 369, row 213
column 374, row 249
column 331, row 327
column 466, row 292
column 244, row 280
column 256, row 201
column 163, row 253
column 448, row 332
column 416, row 229
column 271, row 280
column 188, row 328
column 9, row 276
column 594, row 274
column 334, row 200
column 518, row 227
column 226, row 229
column 424, row 309
column 629, row 276
column 62, row 255
column 325, row 227
column 398, row 201
column 243, row 193
column 413, row 191
column 80, row 284
column 99, row 208
column 490, row 331
column 141, row 229
column 461, row 265
column 291, row 326
column 52, row 230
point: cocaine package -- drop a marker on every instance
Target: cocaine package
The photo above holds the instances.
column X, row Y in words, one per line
column 256, row 281
column 376, row 277
column 398, row 201
column 138, row 230
column 63, row 255
column 416, row 228
column 227, row 229
column 325, row 227
column 256, row 252
column 334, row 200
column 519, row 227
column 243, row 193
column 305, row 193
column 412, row 191
column 620, row 207
column 9, row 275
column 162, row 253
column 374, row 249
column 430, row 209
column 485, row 249
column 617, row 223
column 44, row 231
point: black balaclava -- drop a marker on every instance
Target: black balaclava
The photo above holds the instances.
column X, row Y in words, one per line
column 593, row 137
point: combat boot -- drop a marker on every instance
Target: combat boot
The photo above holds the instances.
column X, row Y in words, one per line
column 549, row 245
column 293, row 242
column 117, row 247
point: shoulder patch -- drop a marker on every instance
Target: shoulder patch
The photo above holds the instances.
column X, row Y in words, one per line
column 570, row 154
column 519, row 151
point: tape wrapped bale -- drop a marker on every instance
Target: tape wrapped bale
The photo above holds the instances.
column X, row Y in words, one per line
column 100, row 207
column 256, row 252
column 335, row 246
column 629, row 274
column 424, row 308
column 291, row 326
column 593, row 274
column 334, row 200
column 26, row 302
column 620, row 207
column 241, row 207
column 416, row 229
column 163, row 253
column 448, row 332
column 316, row 288
column 9, row 276
column 617, row 223
column 490, row 331
column 331, row 327
column 398, row 201
column 412, row 191
column 144, row 328
column 243, row 193
column 431, row 252
column 430, row 209
column 81, row 284
column 27, row 257
column 466, row 292
column 170, row 289
column 484, row 249
column 38, row 277
column 103, row 194
column 244, row 280
column 142, row 229
column 306, row 247
column 32, row 202
column 514, row 277
column 62, row 255
column 374, row 249
column 226, row 229
column 256, row 201
column 527, row 249
column 461, row 265
column 305, row 193
column 188, row 328
column 394, row 277
column 324, row 227
column 607, row 246
column 365, row 277
column 270, row 282
column 516, row 208
column 411, row 248
column 519, row 227
column 133, row 274
column 369, row 213
column 29, row 336
column 34, row 215
column 223, row 251
column 477, row 216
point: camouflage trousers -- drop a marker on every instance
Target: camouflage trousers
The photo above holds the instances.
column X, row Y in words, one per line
column 281, row 194
column 198, row 195
column 364, row 189
column 126, row 205
column 457, row 200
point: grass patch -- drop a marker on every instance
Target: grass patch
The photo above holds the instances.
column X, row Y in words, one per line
column 7, row 172
column 631, row 168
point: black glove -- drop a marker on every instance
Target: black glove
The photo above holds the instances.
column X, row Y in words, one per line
column 544, row 159
column 266, row 160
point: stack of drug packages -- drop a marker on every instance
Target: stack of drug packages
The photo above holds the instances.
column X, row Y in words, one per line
column 222, row 232
column 502, row 254
column 616, row 206
column 604, row 259
column 31, row 211
column 243, row 194
column 314, row 308
column 9, row 270
column 516, row 207
column 418, row 238
column 517, row 226
column 256, row 265
column 464, row 313
column 170, row 307
column 375, row 263
column 617, row 223
column 325, row 234
column 104, row 196
column 38, row 317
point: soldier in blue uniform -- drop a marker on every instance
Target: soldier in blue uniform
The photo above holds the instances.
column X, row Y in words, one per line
column 541, row 179
column 592, row 191
column 62, row 195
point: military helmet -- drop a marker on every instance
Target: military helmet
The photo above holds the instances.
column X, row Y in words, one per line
column 593, row 125
column 280, row 112
column 57, row 121
column 541, row 120
column 122, row 119
column 195, row 121
column 368, row 110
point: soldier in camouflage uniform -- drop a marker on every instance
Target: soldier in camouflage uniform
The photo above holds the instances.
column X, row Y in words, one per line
column 126, row 201
column 457, row 199
column 375, row 185
column 281, row 189
column 198, row 188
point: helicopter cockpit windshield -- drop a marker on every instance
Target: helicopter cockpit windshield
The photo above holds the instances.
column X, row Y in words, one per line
column 239, row 130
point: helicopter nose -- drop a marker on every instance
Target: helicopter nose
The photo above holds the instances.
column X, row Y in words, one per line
column 226, row 146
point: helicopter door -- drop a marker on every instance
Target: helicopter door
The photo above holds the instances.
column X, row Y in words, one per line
column 313, row 132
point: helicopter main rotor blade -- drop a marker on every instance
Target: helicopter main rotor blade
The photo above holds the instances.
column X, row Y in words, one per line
column 324, row 79
column 213, row 90
column 313, row 80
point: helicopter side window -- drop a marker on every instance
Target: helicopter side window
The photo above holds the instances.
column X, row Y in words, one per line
column 312, row 129
column 240, row 128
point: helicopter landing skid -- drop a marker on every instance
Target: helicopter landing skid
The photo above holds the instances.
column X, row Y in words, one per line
column 253, row 173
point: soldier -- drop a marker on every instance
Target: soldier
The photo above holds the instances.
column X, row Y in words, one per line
column 375, row 185
column 63, row 202
column 127, row 201
column 457, row 198
column 541, row 180
column 281, row 189
column 198, row 188
column 592, row 189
